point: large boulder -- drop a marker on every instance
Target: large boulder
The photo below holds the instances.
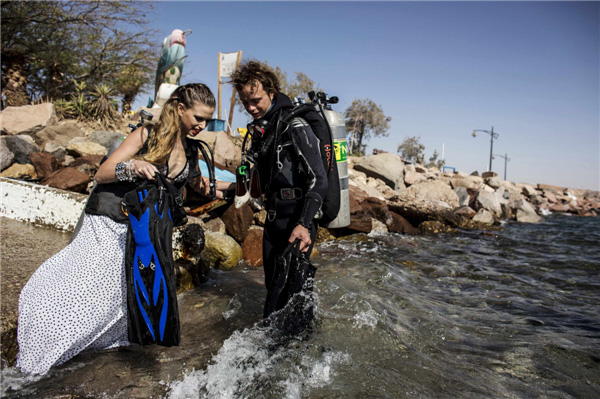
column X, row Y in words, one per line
column 399, row 224
column 17, row 170
column 524, row 212
column 238, row 221
column 221, row 251
column 27, row 119
column 86, row 148
column 105, row 138
column 484, row 216
column 252, row 247
column 227, row 154
column 21, row 146
column 6, row 156
column 44, row 163
column 468, row 182
column 433, row 191
column 56, row 150
column 362, row 182
column 68, row 179
column 387, row 167
column 488, row 201
column 61, row 134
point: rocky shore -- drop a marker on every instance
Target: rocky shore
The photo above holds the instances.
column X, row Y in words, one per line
column 386, row 195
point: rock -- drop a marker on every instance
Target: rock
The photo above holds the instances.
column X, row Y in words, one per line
column 484, row 216
column 44, row 164
column 433, row 191
column 559, row 208
column 434, row 227
column 86, row 148
column 411, row 178
column 238, row 221
column 464, row 198
column 489, row 174
column 398, row 224
column 68, row 179
column 93, row 160
column 106, row 139
column 27, row 119
column 17, row 171
column 378, row 227
column 524, row 212
column 465, row 211
column 469, row 182
column 529, row 191
column 387, row 167
column 488, row 201
column 377, row 208
column 227, row 154
column 360, row 181
column 493, row 182
column 6, row 156
column 221, row 251
column 56, row 150
column 61, row 134
column 192, row 270
column 21, row 146
column 213, row 223
column 548, row 187
column 550, row 196
column 252, row 247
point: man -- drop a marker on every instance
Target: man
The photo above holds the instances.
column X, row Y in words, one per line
column 293, row 179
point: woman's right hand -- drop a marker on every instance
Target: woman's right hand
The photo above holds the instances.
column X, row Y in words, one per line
column 143, row 169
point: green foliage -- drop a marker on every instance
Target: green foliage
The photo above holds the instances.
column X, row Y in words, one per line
column 54, row 43
column 102, row 105
column 412, row 150
column 364, row 118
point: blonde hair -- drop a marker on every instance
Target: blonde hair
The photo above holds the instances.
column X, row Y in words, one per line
column 163, row 134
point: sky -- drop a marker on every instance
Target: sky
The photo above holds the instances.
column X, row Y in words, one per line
column 529, row 70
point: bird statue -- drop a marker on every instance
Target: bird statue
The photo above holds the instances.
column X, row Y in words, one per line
column 170, row 63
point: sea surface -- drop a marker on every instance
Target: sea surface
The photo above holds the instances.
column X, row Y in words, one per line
column 503, row 314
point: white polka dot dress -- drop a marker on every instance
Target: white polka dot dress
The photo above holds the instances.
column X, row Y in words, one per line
column 76, row 300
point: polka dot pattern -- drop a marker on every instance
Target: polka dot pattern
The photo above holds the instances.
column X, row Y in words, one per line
column 76, row 300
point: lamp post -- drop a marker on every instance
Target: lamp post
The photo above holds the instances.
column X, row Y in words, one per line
column 492, row 136
column 506, row 159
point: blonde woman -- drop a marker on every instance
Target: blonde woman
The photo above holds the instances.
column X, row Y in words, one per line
column 77, row 299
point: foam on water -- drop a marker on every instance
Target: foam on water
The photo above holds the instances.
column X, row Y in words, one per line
column 252, row 364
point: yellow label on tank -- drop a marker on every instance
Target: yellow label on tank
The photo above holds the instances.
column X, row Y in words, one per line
column 341, row 152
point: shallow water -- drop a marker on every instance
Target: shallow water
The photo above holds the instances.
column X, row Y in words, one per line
column 509, row 314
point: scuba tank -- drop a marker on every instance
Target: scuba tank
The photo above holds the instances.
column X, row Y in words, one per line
column 337, row 129
column 336, row 123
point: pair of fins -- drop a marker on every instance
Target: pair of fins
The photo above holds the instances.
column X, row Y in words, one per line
column 247, row 185
column 152, row 310
column 293, row 274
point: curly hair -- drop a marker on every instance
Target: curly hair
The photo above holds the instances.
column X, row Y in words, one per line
column 253, row 72
column 166, row 130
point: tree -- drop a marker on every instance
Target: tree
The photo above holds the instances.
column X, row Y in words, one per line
column 434, row 162
column 363, row 119
column 412, row 150
column 49, row 45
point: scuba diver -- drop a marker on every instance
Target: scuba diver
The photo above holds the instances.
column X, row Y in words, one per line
column 286, row 157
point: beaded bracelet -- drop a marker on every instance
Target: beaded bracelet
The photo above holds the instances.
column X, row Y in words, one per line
column 124, row 171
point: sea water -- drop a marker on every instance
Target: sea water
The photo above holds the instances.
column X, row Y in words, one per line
column 508, row 314
column 476, row 314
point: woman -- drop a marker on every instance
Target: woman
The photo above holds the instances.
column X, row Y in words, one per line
column 77, row 299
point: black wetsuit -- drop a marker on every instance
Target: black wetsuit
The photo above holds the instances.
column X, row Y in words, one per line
column 294, row 183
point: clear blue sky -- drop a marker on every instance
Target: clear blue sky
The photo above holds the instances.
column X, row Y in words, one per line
column 438, row 69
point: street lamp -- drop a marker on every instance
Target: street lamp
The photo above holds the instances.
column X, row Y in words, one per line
column 506, row 159
column 493, row 136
